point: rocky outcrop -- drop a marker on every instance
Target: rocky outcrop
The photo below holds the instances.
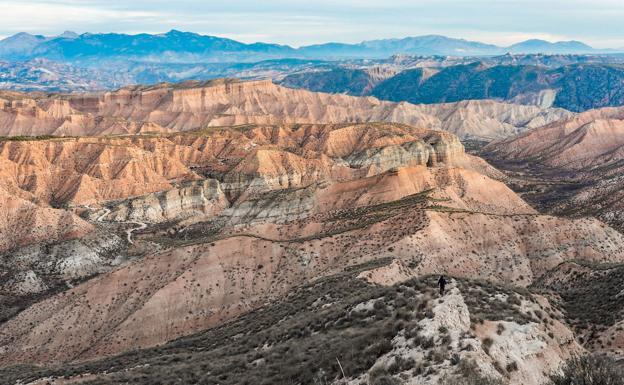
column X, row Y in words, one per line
column 431, row 150
column 85, row 170
column 91, row 170
column 54, row 263
column 188, row 200
column 512, row 350
column 193, row 105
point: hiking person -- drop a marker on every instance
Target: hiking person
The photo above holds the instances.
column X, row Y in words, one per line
column 441, row 284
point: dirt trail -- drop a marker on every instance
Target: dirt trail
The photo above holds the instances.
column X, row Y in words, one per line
column 140, row 225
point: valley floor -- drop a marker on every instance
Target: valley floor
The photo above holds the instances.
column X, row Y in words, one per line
column 564, row 193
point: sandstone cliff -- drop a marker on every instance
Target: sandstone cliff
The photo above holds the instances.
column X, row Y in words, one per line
column 193, row 105
column 91, row 170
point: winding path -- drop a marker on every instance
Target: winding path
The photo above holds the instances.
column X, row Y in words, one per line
column 101, row 217
column 140, row 225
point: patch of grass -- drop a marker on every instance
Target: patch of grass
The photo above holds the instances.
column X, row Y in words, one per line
column 24, row 138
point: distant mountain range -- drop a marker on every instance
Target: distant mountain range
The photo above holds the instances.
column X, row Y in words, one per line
column 576, row 87
column 425, row 69
column 573, row 82
column 186, row 47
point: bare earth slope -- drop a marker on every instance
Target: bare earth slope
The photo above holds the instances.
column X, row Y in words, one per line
column 23, row 223
column 403, row 330
column 243, row 215
column 591, row 139
column 193, row 105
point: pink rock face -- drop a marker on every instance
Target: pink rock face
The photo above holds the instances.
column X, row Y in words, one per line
column 591, row 139
column 23, row 223
column 91, row 170
column 193, row 105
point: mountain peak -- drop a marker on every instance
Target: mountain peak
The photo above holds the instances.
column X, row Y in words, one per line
column 69, row 35
column 175, row 32
column 184, row 46
column 543, row 46
column 23, row 36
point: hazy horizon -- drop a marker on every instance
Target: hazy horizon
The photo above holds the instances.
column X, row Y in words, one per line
column 310, row 22
column 295, row 46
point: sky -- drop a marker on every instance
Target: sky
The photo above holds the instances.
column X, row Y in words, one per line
column 302, row 22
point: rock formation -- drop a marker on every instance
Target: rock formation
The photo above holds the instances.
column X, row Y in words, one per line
column 23, row 222
column 477, row 331
column 192, row 105
column 231, row 218
column 156, row 213
column 91, row 170
column 589, row 140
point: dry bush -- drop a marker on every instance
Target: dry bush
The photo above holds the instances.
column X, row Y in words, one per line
column 589, row 370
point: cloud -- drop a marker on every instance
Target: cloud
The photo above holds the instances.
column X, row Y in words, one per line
column 50, row 17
